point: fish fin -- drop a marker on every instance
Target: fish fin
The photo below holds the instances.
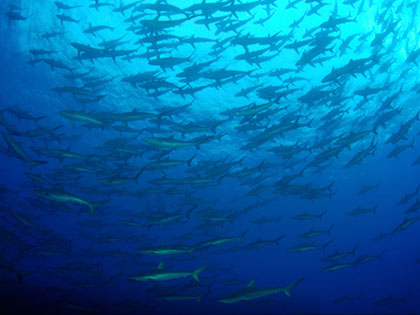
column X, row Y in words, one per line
column 242, row 235
column 381, row 255
column 93, row 206
column 35, row 163
column 353, row 252
column 190, row 160
column 325, row 245
column 287, row 289
column 251, row 283
column 197, row 272
column 139, row 173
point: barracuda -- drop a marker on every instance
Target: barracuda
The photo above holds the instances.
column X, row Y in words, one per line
column 164, row 275
column 251, row 292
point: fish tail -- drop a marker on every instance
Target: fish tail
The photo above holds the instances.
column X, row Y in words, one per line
column 353, row 252
column 93, row 206
column 325, row 245
column 280, row 238
column 376, row 207
column 35, row 163
column 39, row 118
column 381, row 255
column 139, row 173
column 188, row 214
column 242, row 235
column 289, row 288
column 190, row 160
column 196, row 272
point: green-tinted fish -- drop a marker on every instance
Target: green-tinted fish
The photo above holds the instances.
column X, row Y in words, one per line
column 359, row 210
column 313, row 233
column 163, row 275
column 307, row 216
column 20, row 153
column 166, row 250
column 337, row 266
column 220, row 241
column 171, row 143
column 305, row 247
column 120, row 180
column 38, row 178
column 60, row 196
column 405, row 224
column 180, row 297
column 163, row 218
column 252, row 292
column 74, row 115
column 167, row 163
column 339, row 255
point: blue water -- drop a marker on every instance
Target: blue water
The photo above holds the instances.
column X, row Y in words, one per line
column 87, row 219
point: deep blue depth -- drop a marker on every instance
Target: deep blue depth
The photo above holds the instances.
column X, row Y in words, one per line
column 143, row 140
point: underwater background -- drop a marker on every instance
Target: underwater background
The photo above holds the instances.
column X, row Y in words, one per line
column 209, row 157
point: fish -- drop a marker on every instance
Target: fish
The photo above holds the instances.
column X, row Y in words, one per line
column 64, row 197
column 305, row 247
column 161, row 274
column 18, row 151
column 252, row 292
column 307, row 216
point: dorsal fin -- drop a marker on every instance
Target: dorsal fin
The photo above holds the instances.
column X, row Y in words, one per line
column 251, row 283
column 160, row 266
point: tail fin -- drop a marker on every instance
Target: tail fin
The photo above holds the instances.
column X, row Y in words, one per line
column 329, row 230
column 375, row 207
column 55, row 128
column 260, row 166
column 242, row 158
column 242, row 235
column 188, row 214
column 322, row 214
column 139, row 173
column 35, row 163
column 287, row 289
column 353, row 252
column 190, row 160
column 279, row 239
column 190, row 251
column 196, row 272
column 381, row 255
column 325, row 245
column 199, row 298
column 93, row 206
column 39, row 118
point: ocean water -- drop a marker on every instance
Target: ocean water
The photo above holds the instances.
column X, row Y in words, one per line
column 209, row 157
